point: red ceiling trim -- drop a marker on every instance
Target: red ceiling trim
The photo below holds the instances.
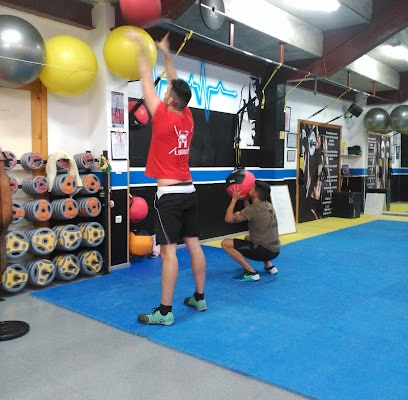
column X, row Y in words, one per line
column 173, row 9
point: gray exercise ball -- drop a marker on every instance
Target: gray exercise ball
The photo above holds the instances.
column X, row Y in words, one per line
column 399, row 119
column 22, row 52
column 376, row 119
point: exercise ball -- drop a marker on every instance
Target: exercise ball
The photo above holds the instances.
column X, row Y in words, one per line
column 140, row 245
column 121, row 53
column 399, row 119
column 71, row 66
column 22, row 52
column 241, row 180
column 140, row 12
column 138, row 209
column 140, row 115
column 376, row 119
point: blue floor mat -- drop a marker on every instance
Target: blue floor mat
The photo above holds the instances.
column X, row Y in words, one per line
column 331, row 325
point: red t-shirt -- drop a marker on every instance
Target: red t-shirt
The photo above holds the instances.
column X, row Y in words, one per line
column 170, row 144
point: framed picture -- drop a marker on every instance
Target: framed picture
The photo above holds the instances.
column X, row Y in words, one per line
column 119, row 143
column 345, row 169
column 287, row 119
column 291, row 140
column 291, row 155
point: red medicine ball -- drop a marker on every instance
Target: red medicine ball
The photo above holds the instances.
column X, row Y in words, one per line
column 241, row 180
column 140, row 12
column 141, row 115
column 138, row 209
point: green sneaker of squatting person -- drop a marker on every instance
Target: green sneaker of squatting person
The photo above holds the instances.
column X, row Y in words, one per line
column 156, row 318
column 247, row 276
column 199, row 305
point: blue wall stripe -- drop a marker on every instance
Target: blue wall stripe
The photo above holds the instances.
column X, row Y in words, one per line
column 209, row 175
column 120, row 180
column 400, row 171
column 212, row 175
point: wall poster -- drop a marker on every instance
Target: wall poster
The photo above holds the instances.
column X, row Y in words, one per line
column 378, row 163
column 117, row 110
column 318, row 169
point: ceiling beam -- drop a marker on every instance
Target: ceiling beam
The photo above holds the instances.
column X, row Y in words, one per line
column 222, row 55
column 71, row 12
column 358, row 41
column 364, row 8
column 395, row 96
column 271, row 20
column 375, row 71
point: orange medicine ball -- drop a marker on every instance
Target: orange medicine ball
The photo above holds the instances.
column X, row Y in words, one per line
column 140, row 245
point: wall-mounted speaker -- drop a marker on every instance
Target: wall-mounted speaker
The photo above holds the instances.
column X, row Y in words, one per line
column 355, row 109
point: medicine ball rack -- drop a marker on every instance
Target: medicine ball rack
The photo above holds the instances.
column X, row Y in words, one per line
column 65, row 238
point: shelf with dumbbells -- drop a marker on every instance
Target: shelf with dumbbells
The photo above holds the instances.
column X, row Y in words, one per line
column 77, row 218
column 30, row 210
column 57, row 227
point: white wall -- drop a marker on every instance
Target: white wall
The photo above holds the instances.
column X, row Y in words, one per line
column 305, row 103
column 79, row 123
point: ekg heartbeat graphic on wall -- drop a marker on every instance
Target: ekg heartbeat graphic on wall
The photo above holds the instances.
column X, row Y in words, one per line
column 201, row 90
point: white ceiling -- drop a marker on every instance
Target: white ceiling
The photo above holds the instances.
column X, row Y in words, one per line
column 303, row 37
column 340, row 49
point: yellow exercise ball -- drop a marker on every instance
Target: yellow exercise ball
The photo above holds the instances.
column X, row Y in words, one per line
column 140, row 245
column 70, row 67
column 121, row 53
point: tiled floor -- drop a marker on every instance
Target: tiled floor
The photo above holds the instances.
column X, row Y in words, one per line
column 66, row 356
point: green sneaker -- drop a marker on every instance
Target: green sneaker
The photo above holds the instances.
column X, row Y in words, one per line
column 247, row 277
column 199, row 305
column 156, row 318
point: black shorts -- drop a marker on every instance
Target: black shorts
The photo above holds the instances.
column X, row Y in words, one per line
column 254, row 251
column 177, row 216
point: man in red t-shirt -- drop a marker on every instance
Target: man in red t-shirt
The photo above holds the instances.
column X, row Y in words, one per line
column 176, row 201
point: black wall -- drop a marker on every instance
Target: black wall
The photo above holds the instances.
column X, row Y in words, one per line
column 404, row 150
column 212, row 145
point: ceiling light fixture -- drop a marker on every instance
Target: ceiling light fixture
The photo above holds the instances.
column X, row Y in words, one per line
column 398, row 52
column 316, row 5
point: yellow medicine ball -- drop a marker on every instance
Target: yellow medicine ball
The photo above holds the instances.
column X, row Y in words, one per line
column 121, row 53
column 70, row 66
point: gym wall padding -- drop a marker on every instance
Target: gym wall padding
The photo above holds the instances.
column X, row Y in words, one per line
column 213, row 201
column 399, row 188
column 119, row 234
column 272, row 121
column 404, row 150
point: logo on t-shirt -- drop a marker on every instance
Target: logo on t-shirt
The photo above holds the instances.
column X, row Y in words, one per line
column 182, row 145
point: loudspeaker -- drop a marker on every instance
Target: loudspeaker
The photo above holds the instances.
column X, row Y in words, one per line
column 355, row 109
